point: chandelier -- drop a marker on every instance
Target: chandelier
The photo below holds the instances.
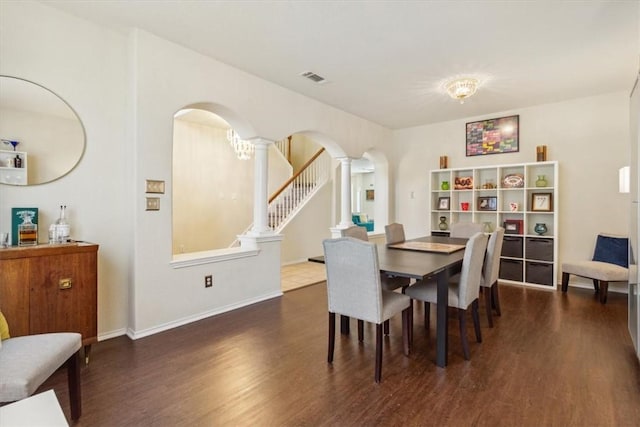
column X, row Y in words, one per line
column 461, row 89
column 243, row 148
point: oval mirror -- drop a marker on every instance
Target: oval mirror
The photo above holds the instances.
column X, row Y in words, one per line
column 42, row 137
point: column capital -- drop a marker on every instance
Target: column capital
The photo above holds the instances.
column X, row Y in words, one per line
column 258, row 140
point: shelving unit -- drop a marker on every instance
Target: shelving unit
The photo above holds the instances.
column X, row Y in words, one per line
column 528, row 258
column 10, row 174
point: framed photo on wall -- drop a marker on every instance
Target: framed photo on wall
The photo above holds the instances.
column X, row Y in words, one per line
column 493, row 136
column 369, row 194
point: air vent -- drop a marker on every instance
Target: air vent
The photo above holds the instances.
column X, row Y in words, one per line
column 314, row 77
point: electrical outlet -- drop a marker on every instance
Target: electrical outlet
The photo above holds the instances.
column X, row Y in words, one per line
column 208, row 281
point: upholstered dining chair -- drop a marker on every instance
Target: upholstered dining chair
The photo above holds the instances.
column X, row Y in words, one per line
column 610, row 263
column 394, row 233
column 27, row 361
column 464, row 229
column 355, row 231
column 462, row 294
column 354, row 289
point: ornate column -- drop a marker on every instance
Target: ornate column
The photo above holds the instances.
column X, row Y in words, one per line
column 261, row 188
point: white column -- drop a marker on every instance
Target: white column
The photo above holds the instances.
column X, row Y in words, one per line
column 345, row 205
column 260, row 188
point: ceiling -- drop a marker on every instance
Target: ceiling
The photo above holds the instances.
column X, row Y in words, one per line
column 386, row 61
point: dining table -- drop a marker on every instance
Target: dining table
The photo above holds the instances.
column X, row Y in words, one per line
column 416, row 260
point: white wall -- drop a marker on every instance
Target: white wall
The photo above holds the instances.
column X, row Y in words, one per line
column 589, row 138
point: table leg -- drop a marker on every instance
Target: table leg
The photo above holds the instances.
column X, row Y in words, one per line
column 442, row 337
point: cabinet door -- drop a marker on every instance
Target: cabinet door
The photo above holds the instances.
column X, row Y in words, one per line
column 14, row 295
column 57, row 308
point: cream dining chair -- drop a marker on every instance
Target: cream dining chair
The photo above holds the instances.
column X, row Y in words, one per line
column 354, row 289
column 464, row 229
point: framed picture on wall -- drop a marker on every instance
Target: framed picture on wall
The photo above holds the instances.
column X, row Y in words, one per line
column 493, row 136
column 369, row 194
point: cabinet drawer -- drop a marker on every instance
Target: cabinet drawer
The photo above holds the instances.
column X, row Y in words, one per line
column 539, row 272
column 539, row 248
column 511, row 269
column 512, row 247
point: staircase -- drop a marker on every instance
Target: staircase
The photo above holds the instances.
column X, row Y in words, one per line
column 296, row 192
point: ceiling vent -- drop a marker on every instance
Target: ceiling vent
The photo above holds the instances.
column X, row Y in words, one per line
column 314, row 77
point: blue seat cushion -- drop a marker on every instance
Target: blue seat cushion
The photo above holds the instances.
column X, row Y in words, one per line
column 614, row 250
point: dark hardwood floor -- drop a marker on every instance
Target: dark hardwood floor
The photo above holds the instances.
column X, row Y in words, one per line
column 551, row 360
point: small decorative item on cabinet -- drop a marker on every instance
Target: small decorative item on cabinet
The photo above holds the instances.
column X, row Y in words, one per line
column 541, row 153
column 444, row 162
column 514, row 180
column 443, row 203
column 487, row 227
column 443, row 223
column 444, row 185
column 463, row 183
column 542, row 202
column 513, row 226
column 464, row 206
column 513, row 207
column 540, row 228
column 541, row 181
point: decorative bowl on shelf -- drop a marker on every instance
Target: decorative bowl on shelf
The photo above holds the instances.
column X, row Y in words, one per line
column 514, row 180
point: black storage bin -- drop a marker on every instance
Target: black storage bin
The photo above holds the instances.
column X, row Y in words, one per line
column 539, row 272
column 539, row 248
column 512, row 246
column 511, row 269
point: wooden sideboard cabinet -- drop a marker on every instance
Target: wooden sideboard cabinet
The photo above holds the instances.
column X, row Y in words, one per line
column 51, row 288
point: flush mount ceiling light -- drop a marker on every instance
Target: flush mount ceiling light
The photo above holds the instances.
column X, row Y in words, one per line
column 462, row 88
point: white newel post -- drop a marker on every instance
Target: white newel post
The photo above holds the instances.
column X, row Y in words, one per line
column 345, row 205
column 260, row 188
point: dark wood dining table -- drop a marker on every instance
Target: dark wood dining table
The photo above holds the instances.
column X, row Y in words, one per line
column 422, row 265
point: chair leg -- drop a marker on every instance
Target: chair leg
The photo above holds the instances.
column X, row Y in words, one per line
column 476, row 318
column 462, row 319
column 73, row 377
column 386, row 327
column 410, row 322
column 344, row 325
column 595, row 285
column 332, row 336
column 487, row 302
column 378, row 374
column 565, row 281
column 495, row 298
column 360, row 330
column 604, row 288
column 405, row 330
column 427, row 314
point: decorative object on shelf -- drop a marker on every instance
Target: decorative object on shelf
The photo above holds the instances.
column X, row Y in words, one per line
column 463, row 183
column 488, row 185
column 541, row 153
column 513, row 207
column 540, row 228
column 61, row 229
column 4, row 240
column 462, row 88
column 443, row 223
column 244, row 149
column 493, row 136
column 513, row 180
column 24, row 227
column 444, row 185
column 444, row 162
column 487, row 227
column 487, row 203
column 513, row 226
column 444, row 203
column 542, row 202
column 541, row 181
column 12, row 143
column 18, row 161
column 464, row 206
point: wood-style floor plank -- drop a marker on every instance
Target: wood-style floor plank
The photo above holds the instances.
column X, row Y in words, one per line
column 552, row 359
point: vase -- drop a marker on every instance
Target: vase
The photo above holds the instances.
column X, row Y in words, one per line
column 486, row 227
column 541, row 181
column 444, row 185
column 443, row 223
column 540, row 228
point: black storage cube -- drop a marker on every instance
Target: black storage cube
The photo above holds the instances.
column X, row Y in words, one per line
column 539, row 248
column 512, row 246
column 511, row 269
column 539, row 272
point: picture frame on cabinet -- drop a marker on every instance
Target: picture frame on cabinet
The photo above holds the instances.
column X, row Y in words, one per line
column 444, row 203
column 542, row 202
column 487, row 203
column 513, row 226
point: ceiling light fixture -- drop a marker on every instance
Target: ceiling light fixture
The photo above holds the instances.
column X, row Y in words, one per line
column 244, row 149
column 462, row 88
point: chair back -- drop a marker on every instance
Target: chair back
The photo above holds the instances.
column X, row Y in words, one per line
column 353, row 278
column 355, row 231
column 471, row 273
column 394, row 233
column 492, row 258
column 464, row 229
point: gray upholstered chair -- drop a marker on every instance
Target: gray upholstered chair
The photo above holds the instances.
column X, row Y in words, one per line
column 464, row 229
column 462, row 294
column 27, row 361
column 355, row 231
column 610, row 263
column 354, row 289
column 394, row 233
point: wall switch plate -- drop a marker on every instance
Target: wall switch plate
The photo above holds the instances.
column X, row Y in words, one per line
column 154, row 186
column 153, row 203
